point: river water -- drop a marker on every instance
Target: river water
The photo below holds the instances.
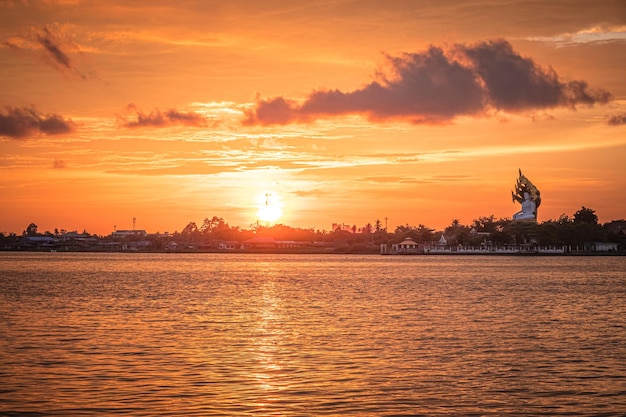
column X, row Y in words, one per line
column 308, row 335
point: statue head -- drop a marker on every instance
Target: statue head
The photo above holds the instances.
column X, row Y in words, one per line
column 524, row 185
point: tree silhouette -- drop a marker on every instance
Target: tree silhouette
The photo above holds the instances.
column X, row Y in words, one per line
column 31, row 230
column 585, row 215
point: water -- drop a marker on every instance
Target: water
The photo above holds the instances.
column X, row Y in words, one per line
column 298, row 335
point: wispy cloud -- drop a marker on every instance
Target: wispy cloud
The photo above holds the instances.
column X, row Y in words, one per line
column 48, row 41
column 58, row 164
column 435, row 86
column 157, row 118
column 595, row 34
column 617, row 120
column 55, row 41
column 25, row 122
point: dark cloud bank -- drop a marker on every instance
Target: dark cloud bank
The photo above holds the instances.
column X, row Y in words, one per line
column 435, row 86
column 20, row 123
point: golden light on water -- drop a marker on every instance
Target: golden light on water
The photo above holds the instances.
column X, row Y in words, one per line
column 270, row 334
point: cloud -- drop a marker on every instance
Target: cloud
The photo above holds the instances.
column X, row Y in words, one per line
column 435, row 86
column 11, row 45
column 52, row 44
column 25, row 122
column 58, row 164
column 617, row 120
column 515, row 83
column 47, row 40
column 157, row 118
column 55, row 41
column 595, row 34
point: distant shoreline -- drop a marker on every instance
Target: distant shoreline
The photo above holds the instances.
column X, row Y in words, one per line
column 326, row 252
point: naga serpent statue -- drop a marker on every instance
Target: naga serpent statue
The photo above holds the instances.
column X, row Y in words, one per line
column 528, row 196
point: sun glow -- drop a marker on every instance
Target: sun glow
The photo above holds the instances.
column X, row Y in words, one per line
column 270, row 207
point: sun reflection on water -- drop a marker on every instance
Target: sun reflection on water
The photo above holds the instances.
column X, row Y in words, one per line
column 268, row 339
column 309, row 335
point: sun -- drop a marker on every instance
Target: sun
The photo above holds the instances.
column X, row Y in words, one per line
column 270, row 208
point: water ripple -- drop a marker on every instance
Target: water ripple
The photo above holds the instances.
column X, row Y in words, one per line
column 160, row 335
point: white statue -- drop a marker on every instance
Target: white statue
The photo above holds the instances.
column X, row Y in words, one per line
column 528, row 209
column 528, row 196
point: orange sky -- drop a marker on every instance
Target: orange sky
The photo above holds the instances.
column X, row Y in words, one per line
column 345, row 111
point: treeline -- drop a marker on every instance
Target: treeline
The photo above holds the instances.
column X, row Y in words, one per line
column 576, row 231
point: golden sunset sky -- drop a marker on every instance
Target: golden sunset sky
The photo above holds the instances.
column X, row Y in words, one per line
column 344, row 111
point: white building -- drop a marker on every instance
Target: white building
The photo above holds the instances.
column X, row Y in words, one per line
column 125, row 233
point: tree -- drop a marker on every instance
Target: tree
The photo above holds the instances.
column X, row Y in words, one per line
column 485, row 224
column 190, row 232
column 31, row 230
column 420, row 233
column 402, row 230
column 425, row 234
column 550, row 233
column 190, row 228
column 206, row 226
column 585, row 215
column 209, row 225
column 563, row 219
column 457, row 234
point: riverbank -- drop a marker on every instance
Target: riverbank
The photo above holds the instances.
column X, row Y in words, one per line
column 332, row 251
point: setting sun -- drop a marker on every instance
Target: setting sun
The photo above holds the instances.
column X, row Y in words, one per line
column 201, row 204
column 170, row 113
column 270, row 208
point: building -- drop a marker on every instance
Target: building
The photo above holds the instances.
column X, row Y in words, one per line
column 121, row 234
column 603, row 247
column 172, row 246
column 227, row 245
column 407, row 246
column 260, row 243
column 38, row 242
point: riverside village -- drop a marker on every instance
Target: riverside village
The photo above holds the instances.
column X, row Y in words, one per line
column 521, row 234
